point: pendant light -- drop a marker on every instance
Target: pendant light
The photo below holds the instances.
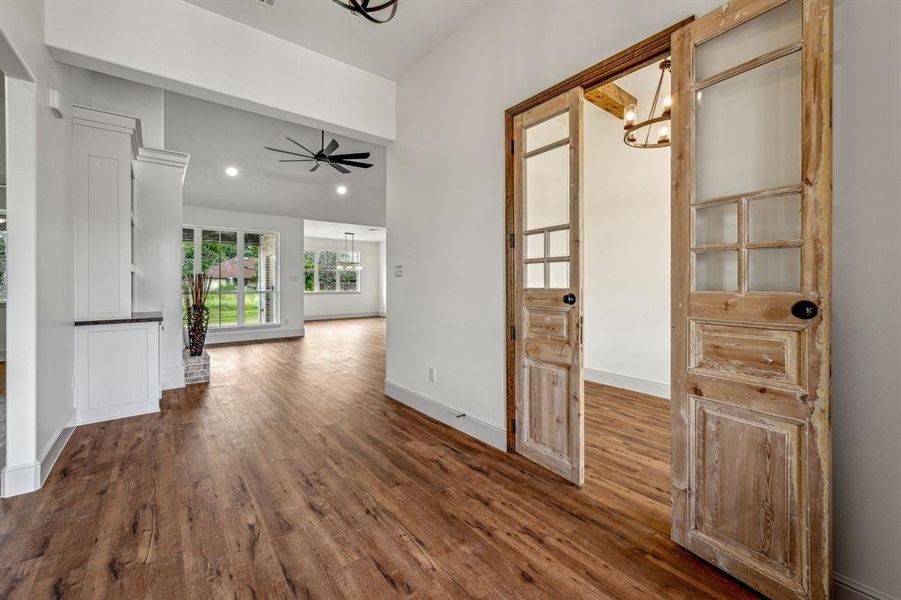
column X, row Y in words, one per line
column 348, row 261
column 638, row 133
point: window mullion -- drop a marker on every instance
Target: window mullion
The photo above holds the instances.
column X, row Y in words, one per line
column 239, row 271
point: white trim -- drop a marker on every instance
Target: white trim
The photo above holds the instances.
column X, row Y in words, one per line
column 107, row 413
column 20, row 479
column 643, row 386
column 166, row 158
column 362, row 315
column 480, row 430
column 251, row 334
column 845, row 588
column 172, row 378
column 53, row 452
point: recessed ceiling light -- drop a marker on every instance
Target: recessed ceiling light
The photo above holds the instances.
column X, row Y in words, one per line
column 231, row 171
column 341, row 189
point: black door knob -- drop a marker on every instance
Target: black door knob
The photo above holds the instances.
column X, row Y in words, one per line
column 804, row 309
column 570, row 299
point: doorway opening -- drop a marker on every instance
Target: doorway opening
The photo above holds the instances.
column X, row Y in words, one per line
column 626, row 300
column 750, row 219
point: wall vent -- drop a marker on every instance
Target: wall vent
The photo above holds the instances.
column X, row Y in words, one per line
column 266, row 3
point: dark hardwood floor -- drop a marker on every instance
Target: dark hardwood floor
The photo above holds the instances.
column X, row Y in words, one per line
column 292, row 475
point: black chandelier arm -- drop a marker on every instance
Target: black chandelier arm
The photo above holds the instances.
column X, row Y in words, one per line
column 364, row 9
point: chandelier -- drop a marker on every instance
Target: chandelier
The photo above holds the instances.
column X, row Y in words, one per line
column 638, row 133
column 348, row 260
column 366, row 10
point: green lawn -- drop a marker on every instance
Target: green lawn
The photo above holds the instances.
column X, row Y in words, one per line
column 224, row 309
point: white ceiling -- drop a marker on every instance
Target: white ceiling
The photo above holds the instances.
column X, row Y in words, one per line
column 336, row 231
column 218, row 136
column 322, row 26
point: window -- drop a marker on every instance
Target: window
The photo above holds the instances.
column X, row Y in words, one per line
column 241, row 267
column 321, row 272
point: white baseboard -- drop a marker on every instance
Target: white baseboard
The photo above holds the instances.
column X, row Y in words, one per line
column 845, row 588
column 251, row 335
column 53, row 452
column 20, row 479
column 625, row 382
column 363, row 315
column 172, row 378
column 480, row 430
column 107, row 413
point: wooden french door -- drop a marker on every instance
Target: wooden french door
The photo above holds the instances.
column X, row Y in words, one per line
column 547, row 258
column 752, row 225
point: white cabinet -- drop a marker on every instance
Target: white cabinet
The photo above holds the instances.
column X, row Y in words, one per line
column 117, row 371
column 105, row 145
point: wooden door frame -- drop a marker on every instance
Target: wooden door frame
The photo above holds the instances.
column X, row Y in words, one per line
column 640, row 55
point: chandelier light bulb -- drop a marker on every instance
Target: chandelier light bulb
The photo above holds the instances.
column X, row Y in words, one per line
column 663, row 135
column 667, row 104
column 631, row 114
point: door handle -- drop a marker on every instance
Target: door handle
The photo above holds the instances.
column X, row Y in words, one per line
column 569, row 299
column 804, row 309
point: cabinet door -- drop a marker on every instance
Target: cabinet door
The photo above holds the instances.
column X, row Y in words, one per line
column 103, row 271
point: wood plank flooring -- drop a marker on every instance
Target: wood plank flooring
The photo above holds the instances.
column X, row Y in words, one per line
column 292, row 475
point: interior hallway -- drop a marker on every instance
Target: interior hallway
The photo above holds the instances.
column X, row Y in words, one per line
column 292, row 475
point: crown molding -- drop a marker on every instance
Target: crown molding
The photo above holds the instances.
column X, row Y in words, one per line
column 166, row 158
column 100, row 119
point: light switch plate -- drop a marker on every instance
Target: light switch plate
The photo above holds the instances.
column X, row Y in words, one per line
column 398, row 270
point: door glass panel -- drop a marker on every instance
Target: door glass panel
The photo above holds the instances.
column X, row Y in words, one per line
column 559, row 243
column 547, row 132
column 547, row 188
column 774, row 269
column 558, row 274
column 776, row 218
column 535, row 246
column 749, row 131
column 535, row 275
column 771, row 30
column 717, row 224
column 716, row 271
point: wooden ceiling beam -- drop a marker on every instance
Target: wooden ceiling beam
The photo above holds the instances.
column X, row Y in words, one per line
column 611, row 98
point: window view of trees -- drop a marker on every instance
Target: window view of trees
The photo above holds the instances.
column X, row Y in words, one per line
column 321, row 272
column 248, row 282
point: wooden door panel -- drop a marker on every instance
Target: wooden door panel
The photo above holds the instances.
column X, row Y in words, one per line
column 751, row 164
column 752, row 353
column 547, row 222
column 748, row 484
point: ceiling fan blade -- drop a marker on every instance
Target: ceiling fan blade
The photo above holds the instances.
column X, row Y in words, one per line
column 339, row 168
column 286, row 152
column 332, row 146
column 351, row 155
column 296, row 160
column 351, row 163
column 310, row 152
column 316, row 166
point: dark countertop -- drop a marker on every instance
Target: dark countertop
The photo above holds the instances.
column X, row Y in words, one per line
column 138, row 317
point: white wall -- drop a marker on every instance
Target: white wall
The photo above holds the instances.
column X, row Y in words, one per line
column 626, row 257
column 446, row 183
column 40, row 364
column 324, row 305
column 290, row 271
column 177, row 46
column 866, row 343
column 120, row 96
column 450, row 143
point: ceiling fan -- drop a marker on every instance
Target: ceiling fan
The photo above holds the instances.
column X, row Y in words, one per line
column 326, row 155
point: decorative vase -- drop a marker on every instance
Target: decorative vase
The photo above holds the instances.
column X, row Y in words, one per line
column 198, row 320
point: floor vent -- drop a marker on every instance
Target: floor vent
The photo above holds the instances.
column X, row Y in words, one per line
column 267, row 3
